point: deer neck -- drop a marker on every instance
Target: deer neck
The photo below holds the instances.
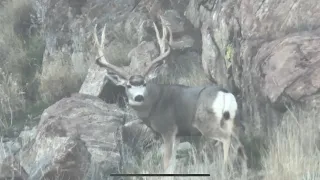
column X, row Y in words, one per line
column 142, row 110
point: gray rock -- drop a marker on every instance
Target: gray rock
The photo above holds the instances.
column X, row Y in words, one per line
column 27, row 136
column 56, row 157
column 135, row 27
column 75, row 133
column 275, row 19
column 9, row 148
column 12, row 147
column 94, row 81
column 138, row 136
column 238, row 52
column 142, row 55
column 175, row 20
column 10, row 169
column 285, row 76
column 183, row 42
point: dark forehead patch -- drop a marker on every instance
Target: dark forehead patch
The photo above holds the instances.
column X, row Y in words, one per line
column 136, row 80
column 224, row 90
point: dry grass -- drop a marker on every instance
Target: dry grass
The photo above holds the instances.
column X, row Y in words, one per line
column 11, row 98
column 187, row 163
column 293, row 152
column 12, row 57
column 21, row 54
column 59, row 78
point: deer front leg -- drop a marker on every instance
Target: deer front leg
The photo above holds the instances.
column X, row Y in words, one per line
column 169, row 139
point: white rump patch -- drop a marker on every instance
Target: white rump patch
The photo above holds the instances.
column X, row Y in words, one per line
column 224, row 102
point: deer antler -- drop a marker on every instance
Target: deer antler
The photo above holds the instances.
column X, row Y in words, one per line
column 102, row 61
column 162, row 44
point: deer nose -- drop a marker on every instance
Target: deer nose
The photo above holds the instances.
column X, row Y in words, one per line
column 139, row 98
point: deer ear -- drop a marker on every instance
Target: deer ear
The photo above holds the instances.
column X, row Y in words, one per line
column 117, row 80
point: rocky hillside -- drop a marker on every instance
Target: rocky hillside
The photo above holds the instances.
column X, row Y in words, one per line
column 266, row 52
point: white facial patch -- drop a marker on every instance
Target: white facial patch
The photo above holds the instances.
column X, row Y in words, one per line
column 225, row 102
column 135, row 91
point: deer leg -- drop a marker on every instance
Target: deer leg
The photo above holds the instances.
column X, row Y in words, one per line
column 219, row 134
column 222, row 136
column 227, row 127
column 169, row 139
column 226, row 147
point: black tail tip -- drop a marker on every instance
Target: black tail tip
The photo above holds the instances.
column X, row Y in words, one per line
column 226, row 115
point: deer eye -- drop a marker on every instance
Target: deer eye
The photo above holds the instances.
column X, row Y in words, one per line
column 128, row 86
column 144, row 84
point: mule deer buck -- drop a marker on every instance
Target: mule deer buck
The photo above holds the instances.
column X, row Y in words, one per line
column 174, row 110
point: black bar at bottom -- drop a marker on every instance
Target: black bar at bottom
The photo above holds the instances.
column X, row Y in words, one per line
column 159, row 174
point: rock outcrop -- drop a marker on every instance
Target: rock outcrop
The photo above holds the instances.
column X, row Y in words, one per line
column 73, row 135
column 265, row 52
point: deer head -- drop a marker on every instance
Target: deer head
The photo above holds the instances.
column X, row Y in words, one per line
column 135, row 85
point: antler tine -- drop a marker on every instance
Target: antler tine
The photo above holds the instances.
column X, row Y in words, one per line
column 102, row 61
column 162, row 44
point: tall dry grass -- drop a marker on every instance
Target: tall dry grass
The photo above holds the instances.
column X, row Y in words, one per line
column 59, row 78
column 12, row 58
column 293, row 152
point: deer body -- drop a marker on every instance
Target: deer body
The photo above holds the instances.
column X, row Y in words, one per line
column 175, row 110
column 177, row 105
column 169, row 105
column 178, row 110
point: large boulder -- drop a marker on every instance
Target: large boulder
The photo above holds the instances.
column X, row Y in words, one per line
column 283, row 72
column 53, row 155
column 74, row 135
column 10, row 167
column 81, row 137
column 289, row 67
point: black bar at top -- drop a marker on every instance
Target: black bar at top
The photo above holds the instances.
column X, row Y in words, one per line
column 159, row 174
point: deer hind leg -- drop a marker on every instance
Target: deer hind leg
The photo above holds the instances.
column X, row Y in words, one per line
column 240, row 155
column 222, row 136
column 215, row 132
